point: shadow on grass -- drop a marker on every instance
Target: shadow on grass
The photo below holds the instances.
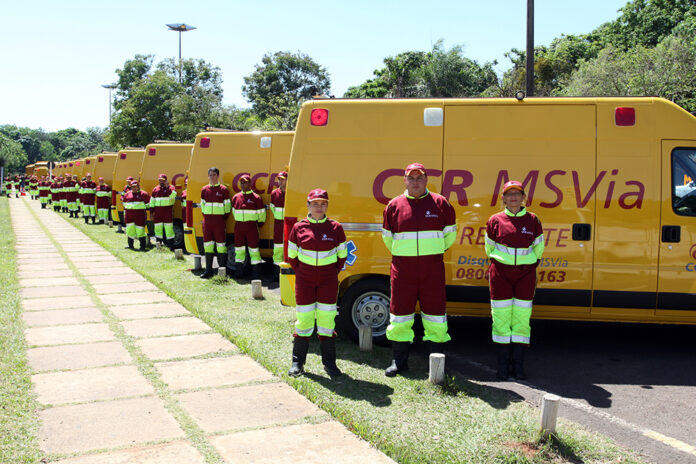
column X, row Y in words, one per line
column 360, row 390
column 563, row 449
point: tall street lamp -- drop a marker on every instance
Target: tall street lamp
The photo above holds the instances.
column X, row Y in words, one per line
column 110, row 87
column 180, row 27
column 529, row 75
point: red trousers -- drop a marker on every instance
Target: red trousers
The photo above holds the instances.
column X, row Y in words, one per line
column 103, row 202
column 136, row 216
column 246, row 233
column 214, row 228
column 162, row 214
column 418, row 278
column 507, row 282
column 316, row 284
column 277, row 231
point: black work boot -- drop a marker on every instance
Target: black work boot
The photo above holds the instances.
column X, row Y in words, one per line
column 86, row 219
column 518, row 361
column 43, row 205
column 400, row 361
column 435, row 347
column 255, row 271
column 94, row 219
column 130, row 243
column 222, row 261
column 300, row 346
column 328, row 356
column 143, row 243
column 238, row 270
column 208, row 266
column 503, row 356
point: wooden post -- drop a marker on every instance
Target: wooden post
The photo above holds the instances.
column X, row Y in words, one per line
column 256, row 290
column 437, row 368
column 120, row 228
column 111, row 224
column 158, row 245
column 549, row 413
column 222, row 271
column 197, row 263
column 365, row 337
column 179, row 253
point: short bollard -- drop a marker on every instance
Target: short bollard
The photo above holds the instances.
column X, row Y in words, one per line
column 158, row 245
column 179, row 253
column 222, row 271
column 549, row 413
column 437, row 368
column 197, row 263
column 120, row 229
column 111, row 224
column 256, row 290
column 365, row 337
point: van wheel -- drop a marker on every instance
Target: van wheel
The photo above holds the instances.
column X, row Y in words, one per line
column 366, row 303
column 178, row 236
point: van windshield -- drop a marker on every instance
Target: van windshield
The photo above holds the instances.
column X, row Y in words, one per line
column 684, row 181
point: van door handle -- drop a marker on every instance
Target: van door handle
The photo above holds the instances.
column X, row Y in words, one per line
column 671, row 234
column 582, row 232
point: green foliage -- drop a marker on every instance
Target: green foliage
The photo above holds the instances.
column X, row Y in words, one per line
column 280, row 84
column 12, row 155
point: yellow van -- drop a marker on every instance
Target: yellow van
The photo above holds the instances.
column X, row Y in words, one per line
column 128, row 163
column 172, row 159
column 41, row 169
column 87, row 166
column 29, row 169
column 612, row 180
column 104, row 167
column 262, row 155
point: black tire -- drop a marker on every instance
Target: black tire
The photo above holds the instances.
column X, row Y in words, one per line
column 178, row 236
column 366, row 303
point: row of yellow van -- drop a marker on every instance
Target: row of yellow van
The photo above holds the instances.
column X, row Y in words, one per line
column 610, row 178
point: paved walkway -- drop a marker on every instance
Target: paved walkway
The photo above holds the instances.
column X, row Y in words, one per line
column 124, row 374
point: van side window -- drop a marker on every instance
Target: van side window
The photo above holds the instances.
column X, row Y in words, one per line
column 684, row 181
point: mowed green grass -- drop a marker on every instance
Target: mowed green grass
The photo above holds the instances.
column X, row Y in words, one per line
column 18, row 408
column 406, row 417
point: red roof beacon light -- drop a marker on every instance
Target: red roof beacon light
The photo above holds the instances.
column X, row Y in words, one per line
column 205, row 142
column 100, row 159
column 625, row 116
column 319, row 117
column 87, row 161
column 122, row 156
column 151, row 151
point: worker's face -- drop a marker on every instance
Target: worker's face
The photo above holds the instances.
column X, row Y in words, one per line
column 317, row 208
column 513, row 198
column 135, row 188
column 416, row 183
column 213, row 177
column 88, row 178
column 101, row 181
column 163, row 183
column 244, row 184
column 282, row 183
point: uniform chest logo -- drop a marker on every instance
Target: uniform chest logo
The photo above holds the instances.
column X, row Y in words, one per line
column 525, row 231
column 428, row 214
column 325, row 237
column 218, row 194
column 250, row 200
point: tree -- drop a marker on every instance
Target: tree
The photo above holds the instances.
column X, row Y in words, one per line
column 12, row 156
column 280, row 84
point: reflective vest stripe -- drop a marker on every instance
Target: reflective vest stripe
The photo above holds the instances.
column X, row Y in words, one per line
column 134, row 205
column 216, row 207
column 249, row 215
column 513, row 256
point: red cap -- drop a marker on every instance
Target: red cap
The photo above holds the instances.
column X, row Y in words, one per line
column 318, row 194
column 513, row 185
column 134, row 183
column 414, row 167
column 282, row 175
column 88, row 175
column 101, row 178
column 163, row 176
column 245, row 176
column 129, row 178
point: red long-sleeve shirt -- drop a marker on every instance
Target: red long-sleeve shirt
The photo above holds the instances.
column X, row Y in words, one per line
column 315, row 236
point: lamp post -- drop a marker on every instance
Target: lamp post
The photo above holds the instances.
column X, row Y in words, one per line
column 529, row 75
column 180, row 27
column 110, row 87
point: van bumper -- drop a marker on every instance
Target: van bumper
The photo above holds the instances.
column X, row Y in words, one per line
column 287, row 285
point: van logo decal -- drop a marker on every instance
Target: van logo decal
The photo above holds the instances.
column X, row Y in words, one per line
column 351, row 248
column 692, row 251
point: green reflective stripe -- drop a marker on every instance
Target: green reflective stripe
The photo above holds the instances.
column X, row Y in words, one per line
column 278, row 212
column 326, row 307
column 436, row 319
column 292, row 250
column 103, row 194
column 526, row 304
column 277, row 253
column 511, row 256
column 249, row 215
column 325, row 331
column 400, row 328
column 254, row 256
column 520, row 213
column 305, row 308
column 418, row 235
column 88, row 191
column 342, row 250
column 212, row 208
column 427, row 242
column 394, row 319
column 435, row 328
column 183, row 203
column 501, row 303
column 209, row 247
column 162, row 201
column 450, row 235
column 388, row 239
column 317, row 258
column 134, row 205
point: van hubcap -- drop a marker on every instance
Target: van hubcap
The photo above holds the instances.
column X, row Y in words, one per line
column 372, row 309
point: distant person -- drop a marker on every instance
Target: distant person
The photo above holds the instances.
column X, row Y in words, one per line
column 135, row 204
column 88, row 192
column 103, row 194
column 514, row 243
column 249, row 216
column 278, row 209
column 162, row 202
column 216, row 207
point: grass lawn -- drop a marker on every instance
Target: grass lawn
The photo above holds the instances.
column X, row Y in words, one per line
column 406, row 417
column 18, row 417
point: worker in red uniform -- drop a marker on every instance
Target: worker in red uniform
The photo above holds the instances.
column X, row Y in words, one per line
column 316, row 251
column 514, row 243
column 135, row 204
column 34, row 188
column 277, row 207
column 249, row 215
column 18, row 182
column 183, row 201
column 56, row 193
column 8, row 186
column 70, row 187
column 216, row 207
column 44, row 186
column 89, row 191
column 418, row 227
column 162, row 203
column 103, row 194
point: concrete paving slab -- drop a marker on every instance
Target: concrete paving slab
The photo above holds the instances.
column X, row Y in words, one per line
column 115, row 279
column 35, row 248
column 61, row 302
column 110, row 270
column 217, row 372
column 148, row 311
column 63, row 334
column 49, row 358
column 41, row 267
column 34, row 256
column 80, row 254
column 41, row 292
column 79, row 428
column 85, row 262
column 170, row 453
column 101, row 383
column 135, row 298
column 184, row 346
column 61, row 317
column 48, row 282
column 40, row 259
column 160, row 327
column 125, row 287
column 325, row 442
column 45, row 273
column 242, row 407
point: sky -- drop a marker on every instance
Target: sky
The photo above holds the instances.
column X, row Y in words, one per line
column 56, row 55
